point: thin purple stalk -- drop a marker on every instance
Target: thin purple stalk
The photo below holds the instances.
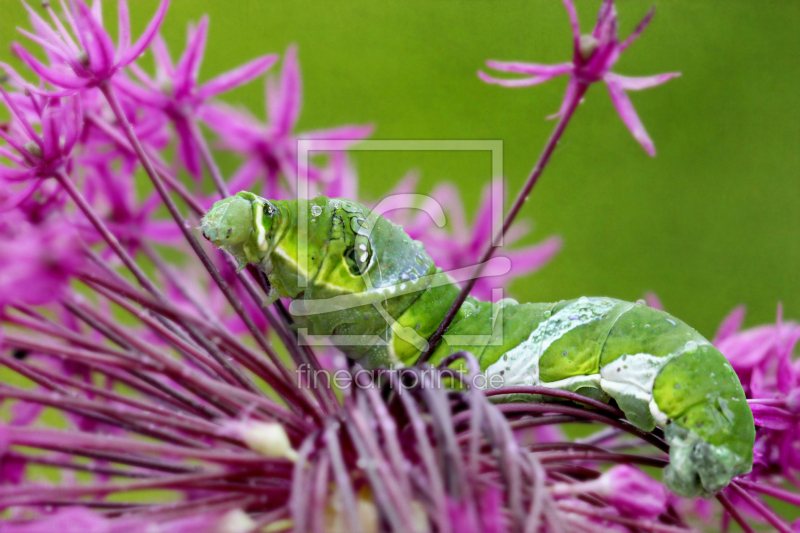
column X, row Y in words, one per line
column 733, row 512
column 521, row 198
column 283, row 374
column 775, row 492
column 768, row 514
column 646, row 525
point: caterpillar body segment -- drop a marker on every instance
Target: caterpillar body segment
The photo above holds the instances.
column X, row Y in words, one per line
column 360, row 280
column 659, row 371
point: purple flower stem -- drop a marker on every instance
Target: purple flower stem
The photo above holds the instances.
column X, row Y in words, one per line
column 283, row 372
column 429, row 460
column 210, row 327
column 112, row 415
column 48, row 379
column 556, row 393
column 56, row 462
column 58, row 439
column 148, row 414
column 104, row 232
column 135, row 379
column 733, row 512
column 621, row 458
column 228, row 399
column 340, row 474
column 775, row 492
column 521, row 198
column 768, row 514
column 227, row 371
column 27, row 343
column 646, row 525
column 163, row 170
column 545, row 408
column 276, row 410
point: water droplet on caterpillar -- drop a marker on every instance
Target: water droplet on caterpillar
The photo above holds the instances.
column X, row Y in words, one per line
column 316, row 210
column 690, row 346
column 641, row 302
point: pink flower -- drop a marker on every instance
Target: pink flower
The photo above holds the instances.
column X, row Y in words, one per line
column 593, row 57
column 92, row 59
column 175, row 91
column 762, row 358
column 632, row 492
column 37, row 155
column 36, row 261
column 271, row 149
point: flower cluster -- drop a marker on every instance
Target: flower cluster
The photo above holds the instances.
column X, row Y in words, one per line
column 141, row 386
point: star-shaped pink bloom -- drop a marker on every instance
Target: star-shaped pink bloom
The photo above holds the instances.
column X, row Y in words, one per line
column 36, row 154
column 91, row 57
column 271, row 149
column 593, row 57
column 176, row 92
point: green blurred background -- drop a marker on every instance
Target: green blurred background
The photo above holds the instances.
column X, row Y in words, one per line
column 713, row 221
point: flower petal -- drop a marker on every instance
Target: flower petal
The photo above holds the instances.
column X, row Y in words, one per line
column 148, row 35
column 59, row 79
column 188, row 68
column 187, row 149
column 574, row 23
column 639, row 29
column 628, row 115
column 572, row 89
column 766, row 416
column 520, row 82
column 285, row 106
column 238, row 76
column 637, row 84
column 731, row 324
column 532, row 69
column 96, row 41
column 123, row 27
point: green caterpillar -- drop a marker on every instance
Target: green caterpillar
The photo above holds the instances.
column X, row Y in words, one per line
column 355, row 276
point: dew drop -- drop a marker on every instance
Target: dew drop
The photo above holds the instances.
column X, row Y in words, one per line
column 641, row 302
column 316, row 210
column 690, row 346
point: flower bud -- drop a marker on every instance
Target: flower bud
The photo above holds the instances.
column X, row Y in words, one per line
column 627, row 488
column 236, row 521
column 587, row 45
column 268, row 439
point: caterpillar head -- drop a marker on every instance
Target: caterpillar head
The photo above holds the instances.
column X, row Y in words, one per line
column 239, row 224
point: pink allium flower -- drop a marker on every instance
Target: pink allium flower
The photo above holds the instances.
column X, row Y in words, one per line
column 271, row 149
column 91, row 60
column 36, row 261
column 594, row 55
column 38, row 155
column 176, row 92
column 763, row 360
